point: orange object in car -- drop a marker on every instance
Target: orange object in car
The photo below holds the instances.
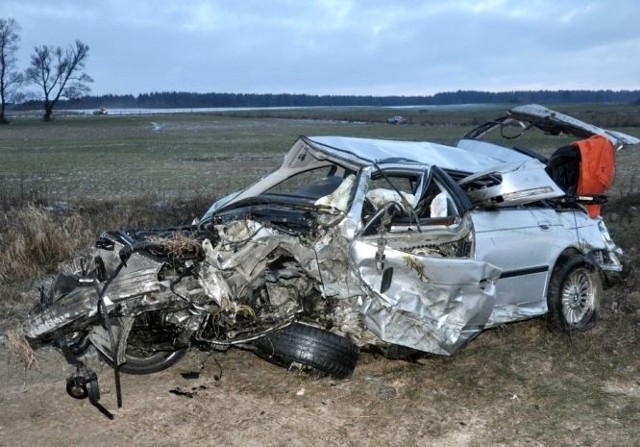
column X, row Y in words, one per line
column 597, row 169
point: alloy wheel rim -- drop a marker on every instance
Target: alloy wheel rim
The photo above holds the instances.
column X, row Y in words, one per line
column 578, row 296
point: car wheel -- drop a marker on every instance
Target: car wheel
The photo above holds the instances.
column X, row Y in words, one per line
column 320, row 350
column 139, row 363
column 149, row 346
column 574, row 295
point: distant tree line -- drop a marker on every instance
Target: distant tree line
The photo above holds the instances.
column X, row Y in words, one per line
column 199, row 100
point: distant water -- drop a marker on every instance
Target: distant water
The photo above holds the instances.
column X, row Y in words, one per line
column 153, row 111
column 143, row 111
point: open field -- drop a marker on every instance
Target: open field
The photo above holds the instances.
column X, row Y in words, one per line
column 517, row 385
column 87, row 156
column 179, row 155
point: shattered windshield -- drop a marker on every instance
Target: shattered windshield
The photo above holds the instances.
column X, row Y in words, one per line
column 311, row 184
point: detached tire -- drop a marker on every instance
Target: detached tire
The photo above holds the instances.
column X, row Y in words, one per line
column 321, row 350
column 574, row 295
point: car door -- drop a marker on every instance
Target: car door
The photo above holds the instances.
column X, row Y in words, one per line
column 522, row 243
column 425, row 292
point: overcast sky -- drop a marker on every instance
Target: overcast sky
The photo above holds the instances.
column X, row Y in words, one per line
column 360, row 47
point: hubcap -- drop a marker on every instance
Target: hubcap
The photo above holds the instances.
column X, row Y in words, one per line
column 578, row 296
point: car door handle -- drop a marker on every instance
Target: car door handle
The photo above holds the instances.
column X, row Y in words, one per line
column 544, row 225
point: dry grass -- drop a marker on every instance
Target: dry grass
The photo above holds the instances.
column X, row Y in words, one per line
column 38, row 240
column 20, row 349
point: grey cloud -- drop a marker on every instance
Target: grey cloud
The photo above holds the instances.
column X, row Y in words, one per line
column 342, row 47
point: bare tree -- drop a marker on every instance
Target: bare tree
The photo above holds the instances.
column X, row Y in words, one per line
column 10, row 78
column 59, row 73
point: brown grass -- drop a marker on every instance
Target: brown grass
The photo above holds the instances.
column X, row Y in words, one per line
column 20, row 349
column 38, row 240
column 179, row 245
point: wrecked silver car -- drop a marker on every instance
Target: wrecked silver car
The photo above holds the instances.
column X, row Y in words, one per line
column 352, row 243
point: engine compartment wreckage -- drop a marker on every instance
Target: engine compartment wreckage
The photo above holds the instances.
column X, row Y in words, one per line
column 353, row 243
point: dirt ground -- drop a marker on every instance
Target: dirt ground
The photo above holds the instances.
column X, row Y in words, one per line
column 253, row 403
column 518, row 386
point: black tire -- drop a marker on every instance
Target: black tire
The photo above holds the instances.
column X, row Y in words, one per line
column 140, row 364
column 574, row 295
column 144, row 354
column 318, row 349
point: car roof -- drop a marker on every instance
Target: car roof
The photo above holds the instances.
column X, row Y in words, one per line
column 368, row 151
